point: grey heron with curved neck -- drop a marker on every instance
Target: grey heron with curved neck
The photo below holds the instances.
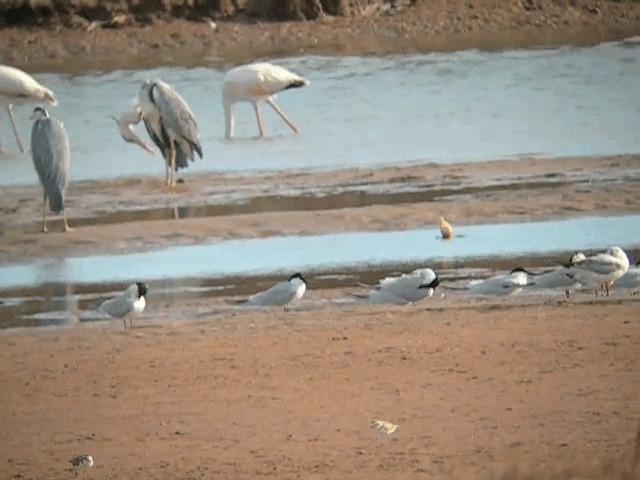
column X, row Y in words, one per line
column 51, row 157
column 18, row 88
column 170, row 124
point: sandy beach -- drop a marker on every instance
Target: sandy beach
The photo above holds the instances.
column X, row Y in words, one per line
column 526, row 386
column 519, row 387
column 527, row 389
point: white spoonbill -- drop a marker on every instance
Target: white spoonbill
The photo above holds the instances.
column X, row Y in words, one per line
column 18, row 88
column 255, row 82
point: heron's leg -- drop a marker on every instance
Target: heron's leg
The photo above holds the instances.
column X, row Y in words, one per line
column 282, row 115
column 173, row 164
column 44, row 214
column 166, row 172
column 256, row 107
column 67, row 228
column 124, row 322
column 15, row 128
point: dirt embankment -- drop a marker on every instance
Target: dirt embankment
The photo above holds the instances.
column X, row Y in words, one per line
column 82, row 34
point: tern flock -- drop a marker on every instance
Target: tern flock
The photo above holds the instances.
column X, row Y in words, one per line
column 596, row 273
column 172, row 127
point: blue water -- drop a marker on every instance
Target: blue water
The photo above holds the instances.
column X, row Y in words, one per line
column 304, row 253
column 366, row 111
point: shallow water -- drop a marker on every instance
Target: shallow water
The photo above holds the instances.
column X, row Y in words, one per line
column 331, row 251
column 65, row 292
column 366, row 111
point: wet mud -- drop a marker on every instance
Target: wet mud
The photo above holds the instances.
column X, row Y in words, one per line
column 377, row 28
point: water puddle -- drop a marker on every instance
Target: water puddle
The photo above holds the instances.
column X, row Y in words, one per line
column 330, row 251
column 44, row 293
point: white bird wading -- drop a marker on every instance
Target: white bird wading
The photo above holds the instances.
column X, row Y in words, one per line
column 18, row 88
column 254, row 83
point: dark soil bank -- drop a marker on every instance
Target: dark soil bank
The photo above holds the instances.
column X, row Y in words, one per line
column 84, row 35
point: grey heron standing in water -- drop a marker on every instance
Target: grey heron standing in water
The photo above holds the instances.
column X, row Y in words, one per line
column 18, row 88
column 51, row 157
column 170, row 124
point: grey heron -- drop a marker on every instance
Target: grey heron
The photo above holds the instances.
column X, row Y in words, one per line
column 280, row 294
column 130, row 302
column 170, row 124
column 253, row 83
column 51, row 157
column 18, row 88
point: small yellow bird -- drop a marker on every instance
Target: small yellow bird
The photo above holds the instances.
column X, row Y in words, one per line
column 382, row 426
column 445, row 229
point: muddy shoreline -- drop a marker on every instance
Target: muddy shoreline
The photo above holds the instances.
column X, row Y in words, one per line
column 213, row 207
column 432, row 26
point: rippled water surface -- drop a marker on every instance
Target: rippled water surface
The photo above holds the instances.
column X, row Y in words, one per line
column 366, row 111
